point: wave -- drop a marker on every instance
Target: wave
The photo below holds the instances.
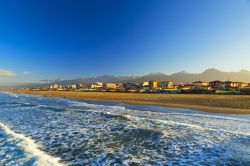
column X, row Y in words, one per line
column 121, row 110
column 30, row 146
column 96, row 106
column 95, row 134
column 11, row 94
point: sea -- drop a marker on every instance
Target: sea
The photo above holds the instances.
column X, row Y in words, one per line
column 54, row 131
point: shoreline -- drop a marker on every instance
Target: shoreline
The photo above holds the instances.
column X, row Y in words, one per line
column 227, row 104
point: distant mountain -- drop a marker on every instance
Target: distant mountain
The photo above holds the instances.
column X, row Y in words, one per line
column 104, row 79
column 212, row 74
column 180, row 77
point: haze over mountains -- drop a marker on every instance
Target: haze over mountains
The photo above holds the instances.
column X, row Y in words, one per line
column 180, row 77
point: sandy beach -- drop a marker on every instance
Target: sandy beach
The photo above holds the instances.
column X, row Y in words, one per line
column 230, row 104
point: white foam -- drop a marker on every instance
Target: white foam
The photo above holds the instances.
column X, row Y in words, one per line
column 97, row 106
column 116, row 109
column 11, row 94
column 30, row 146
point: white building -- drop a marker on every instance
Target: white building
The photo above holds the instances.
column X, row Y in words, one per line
column 96, row 85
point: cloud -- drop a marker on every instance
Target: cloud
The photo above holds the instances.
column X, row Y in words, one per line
column 7, row 73
column 27, row 72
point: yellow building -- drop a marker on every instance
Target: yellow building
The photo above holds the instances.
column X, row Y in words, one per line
column 153, row 84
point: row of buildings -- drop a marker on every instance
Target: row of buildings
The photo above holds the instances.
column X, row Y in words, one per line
column 158, row 86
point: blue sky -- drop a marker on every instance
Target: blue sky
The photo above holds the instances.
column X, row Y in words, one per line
column 65, row 39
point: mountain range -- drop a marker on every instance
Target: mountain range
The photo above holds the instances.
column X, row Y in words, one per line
column 180, row 77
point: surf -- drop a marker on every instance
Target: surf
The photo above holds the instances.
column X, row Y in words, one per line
column 29, row 145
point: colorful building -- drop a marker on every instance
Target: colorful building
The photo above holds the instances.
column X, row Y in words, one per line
column 153, row 85
column 166, row 85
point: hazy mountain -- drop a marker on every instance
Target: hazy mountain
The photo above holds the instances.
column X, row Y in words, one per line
column 211, row 74
column 180, row 77
column 183, row 76
column 104, row 78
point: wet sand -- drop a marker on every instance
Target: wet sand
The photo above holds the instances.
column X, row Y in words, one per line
column 230, row 104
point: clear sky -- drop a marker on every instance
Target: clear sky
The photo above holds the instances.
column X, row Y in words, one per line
column 75, row 38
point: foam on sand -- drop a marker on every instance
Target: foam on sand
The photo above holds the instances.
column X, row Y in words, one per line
column 30, row 146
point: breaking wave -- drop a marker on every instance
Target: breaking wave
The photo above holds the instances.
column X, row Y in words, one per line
column 32, row 148
column 82, row 133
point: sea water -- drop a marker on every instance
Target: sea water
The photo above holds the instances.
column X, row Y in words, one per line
column 37, row 130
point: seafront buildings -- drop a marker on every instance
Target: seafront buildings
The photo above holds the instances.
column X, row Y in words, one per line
column 155, row 86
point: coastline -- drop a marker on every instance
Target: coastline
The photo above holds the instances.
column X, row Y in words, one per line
column 228, row 104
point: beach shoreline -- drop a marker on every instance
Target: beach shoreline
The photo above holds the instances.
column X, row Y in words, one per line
column 228, row 104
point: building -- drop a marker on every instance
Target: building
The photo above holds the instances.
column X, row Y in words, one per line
column 184, row 87
column 215, row 84
column 166, row 85
column 233, row 85
column 243, row 84
column 130, row 86
column 153, row 85
column 71, row 87
column 245, row 90
column 145, row 83
column 144, row 86
column 97, row 85
column 200, row 83
column 177, row 86
column 200, row 86
column 119, row 85
column 79, row 86
column 63, row 88
column 55, row 87
column 228, row 85
column 110, row 86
